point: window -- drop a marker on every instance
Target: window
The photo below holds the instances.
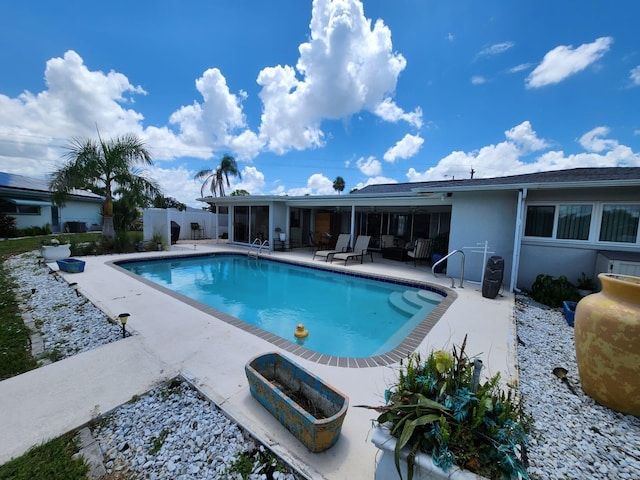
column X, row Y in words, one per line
column 18, row 209
column 540, row 221
column 619, row 223
column 574, row 222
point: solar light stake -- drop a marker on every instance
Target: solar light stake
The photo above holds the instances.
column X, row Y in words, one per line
column 123, row 317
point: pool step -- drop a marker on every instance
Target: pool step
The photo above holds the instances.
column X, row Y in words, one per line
column 397, row 300
column 411, row 302
column 429, row 296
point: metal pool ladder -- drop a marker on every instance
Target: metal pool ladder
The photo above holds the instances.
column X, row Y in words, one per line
column 256, row 247
column 450, row 254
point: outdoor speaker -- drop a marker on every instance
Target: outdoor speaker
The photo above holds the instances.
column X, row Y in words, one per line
column 493, row 274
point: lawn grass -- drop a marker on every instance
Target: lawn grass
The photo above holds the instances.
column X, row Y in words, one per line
column 52, row 461
column 15, row 346
column 14, row 246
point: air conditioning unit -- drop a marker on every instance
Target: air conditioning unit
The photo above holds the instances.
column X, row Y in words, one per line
column 622, row 263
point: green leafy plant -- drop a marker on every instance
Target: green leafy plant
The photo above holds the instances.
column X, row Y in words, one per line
column 157, row 239
column 440, row 407
column 553, row 291
column 7, row 226
column 55, row 241
column 585, row 283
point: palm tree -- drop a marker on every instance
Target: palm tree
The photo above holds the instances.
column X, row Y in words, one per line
column 217, row 178
column 103, row 166
column 338, row 184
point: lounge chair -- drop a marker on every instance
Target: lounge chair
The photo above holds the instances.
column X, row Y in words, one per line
column 342, row 245
column 360, row 249
column 421, row 250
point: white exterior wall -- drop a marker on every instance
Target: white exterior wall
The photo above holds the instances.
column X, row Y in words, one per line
column 29, row 220
column 570, row 258
column 85, row 212
column 159, row 220
column 73, row 211
column 480, row 217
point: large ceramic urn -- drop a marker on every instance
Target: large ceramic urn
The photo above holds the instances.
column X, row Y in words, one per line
column 607, row 333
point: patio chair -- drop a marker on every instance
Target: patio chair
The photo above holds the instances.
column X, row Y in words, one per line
column 387, row 241
column 342, row 245
column 360, row 249
column 421, row 250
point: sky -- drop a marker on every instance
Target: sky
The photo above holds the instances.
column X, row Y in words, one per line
column 300, row 92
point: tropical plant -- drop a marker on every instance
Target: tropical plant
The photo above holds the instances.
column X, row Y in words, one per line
column 338, row 184
column 585, row 283
column 160, row 201
column 216, row 179
column 440, row 407
column 55, row 241
column 104, row 167
column 7, row 225
column 553, row 291
column 240, row 193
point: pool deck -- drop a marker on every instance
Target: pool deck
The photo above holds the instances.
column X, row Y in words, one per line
column 171, row 337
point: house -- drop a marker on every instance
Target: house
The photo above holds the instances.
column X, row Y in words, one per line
column 28, row 200
column 558, row 223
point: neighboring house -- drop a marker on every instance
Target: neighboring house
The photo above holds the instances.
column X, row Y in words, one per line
column 28, row 200
column 558, row 223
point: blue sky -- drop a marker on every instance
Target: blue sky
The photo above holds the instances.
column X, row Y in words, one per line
column 300, row 92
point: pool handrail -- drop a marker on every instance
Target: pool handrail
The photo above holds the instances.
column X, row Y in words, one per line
column 433, row 268
column 258, row 244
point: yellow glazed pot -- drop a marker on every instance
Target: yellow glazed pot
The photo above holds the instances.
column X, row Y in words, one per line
column 607, row 333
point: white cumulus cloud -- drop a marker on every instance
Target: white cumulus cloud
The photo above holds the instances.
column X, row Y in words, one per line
column 346, row 66
column 510, row 157
column 564, row 61
column 369, row 166
column 405, row 148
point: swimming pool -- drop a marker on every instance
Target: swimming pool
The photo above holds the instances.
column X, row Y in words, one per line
column 346, row 315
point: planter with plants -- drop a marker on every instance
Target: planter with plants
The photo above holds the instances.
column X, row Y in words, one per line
column 54, row 249
column 441, row 421
column 157, row 240
column 281, row 235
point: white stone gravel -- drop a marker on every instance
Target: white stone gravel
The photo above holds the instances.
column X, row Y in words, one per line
column 68, row 323
column 574, row 437
column 173, row 432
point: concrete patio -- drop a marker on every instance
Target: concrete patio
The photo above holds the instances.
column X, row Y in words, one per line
column 171, row 337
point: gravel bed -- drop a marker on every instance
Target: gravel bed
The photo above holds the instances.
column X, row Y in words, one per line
column 172, row 432
column 68, row 323
column 574, row 437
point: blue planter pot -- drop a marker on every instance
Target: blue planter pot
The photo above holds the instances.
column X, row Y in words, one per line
column 569, row 311
column 71, row 265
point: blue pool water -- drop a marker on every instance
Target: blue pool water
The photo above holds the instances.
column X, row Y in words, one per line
column 345, row 315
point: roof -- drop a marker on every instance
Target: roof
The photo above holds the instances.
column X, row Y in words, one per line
column 576, row 177
column 10, row 182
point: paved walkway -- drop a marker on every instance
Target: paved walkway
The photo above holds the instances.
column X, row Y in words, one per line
column 172, row 337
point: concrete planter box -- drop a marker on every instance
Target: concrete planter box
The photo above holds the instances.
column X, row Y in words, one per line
column 310, row 409
column 424, row 469
column 51, row 253
column 71, row 265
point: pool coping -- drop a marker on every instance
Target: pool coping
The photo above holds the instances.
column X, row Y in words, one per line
column 408, row 345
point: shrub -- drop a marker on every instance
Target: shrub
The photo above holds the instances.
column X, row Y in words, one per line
column 553, row 291
column 440, row 407
column 8, row 226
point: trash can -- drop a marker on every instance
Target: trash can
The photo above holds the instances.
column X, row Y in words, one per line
column 175, row 232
